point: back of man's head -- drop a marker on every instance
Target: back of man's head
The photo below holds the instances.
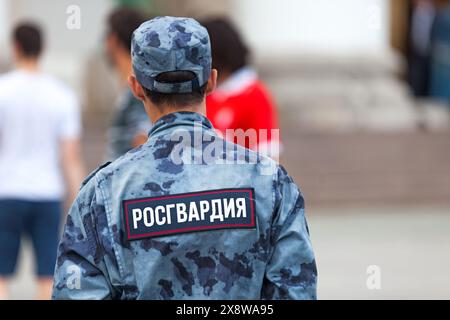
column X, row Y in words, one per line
column 122, row 22
column 27, row 38
column 172, row 61
column 176, row 99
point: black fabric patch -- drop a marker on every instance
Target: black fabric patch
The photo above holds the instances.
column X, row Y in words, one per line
column 189, row 212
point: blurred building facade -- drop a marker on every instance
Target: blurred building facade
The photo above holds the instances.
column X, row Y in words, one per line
column 331, row 64
column 336, row 70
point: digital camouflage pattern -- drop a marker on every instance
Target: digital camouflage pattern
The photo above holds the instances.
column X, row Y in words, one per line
column 166, row 44
column 273, row 261
column 129, row 121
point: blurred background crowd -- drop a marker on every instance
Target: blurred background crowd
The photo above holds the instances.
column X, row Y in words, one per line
column 359, row 89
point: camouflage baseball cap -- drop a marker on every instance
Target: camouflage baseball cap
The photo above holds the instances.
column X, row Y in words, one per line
column 166, row 44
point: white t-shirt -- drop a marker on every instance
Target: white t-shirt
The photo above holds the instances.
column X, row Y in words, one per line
column 36, row 113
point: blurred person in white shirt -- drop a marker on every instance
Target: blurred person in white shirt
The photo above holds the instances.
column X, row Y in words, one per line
column 40, row 158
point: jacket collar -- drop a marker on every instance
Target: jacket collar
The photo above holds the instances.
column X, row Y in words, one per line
column 182, row 118
column 238, row 82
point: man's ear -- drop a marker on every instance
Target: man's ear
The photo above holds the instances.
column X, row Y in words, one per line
column 16, row 50
column 113, row 42
column 136, row 88
column 212, row 82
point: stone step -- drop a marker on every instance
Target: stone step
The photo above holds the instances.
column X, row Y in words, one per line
column 370, row 167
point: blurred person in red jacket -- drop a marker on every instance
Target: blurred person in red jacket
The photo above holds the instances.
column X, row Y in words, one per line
column 241, row 101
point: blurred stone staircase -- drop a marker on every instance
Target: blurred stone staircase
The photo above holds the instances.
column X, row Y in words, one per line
column 352, row 133
column 347, row 94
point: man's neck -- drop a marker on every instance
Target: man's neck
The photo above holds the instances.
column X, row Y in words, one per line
column 156, row 113
column 29, row 65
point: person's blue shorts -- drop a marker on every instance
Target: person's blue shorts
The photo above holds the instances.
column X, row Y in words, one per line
column 38, row 220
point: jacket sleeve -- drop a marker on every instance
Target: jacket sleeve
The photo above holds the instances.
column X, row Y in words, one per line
column 291, row 272
column 80, row 271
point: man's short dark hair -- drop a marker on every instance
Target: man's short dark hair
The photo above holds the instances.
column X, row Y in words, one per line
column 229, row 52
column 28, row 38
column 122, row 22
column 176, row 99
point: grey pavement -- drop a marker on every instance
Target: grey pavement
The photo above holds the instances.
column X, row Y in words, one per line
column 410, row 245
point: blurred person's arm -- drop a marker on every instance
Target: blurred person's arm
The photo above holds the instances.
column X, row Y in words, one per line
column 141, row 124
column 291, row 272
column 263, row 115
column 70, row 147
column 72, row 165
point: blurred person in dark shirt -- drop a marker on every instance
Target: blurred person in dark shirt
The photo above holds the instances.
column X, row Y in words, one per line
column 40, row 158
column 422, row 19
column 241, row 100
column 440, row 54
column 131, row 124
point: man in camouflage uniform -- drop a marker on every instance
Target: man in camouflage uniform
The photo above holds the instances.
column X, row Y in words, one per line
column 187, row 215
column 130, row 124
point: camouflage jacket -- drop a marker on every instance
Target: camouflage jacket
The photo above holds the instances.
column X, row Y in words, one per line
column 129, row 121
column 237, row 229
